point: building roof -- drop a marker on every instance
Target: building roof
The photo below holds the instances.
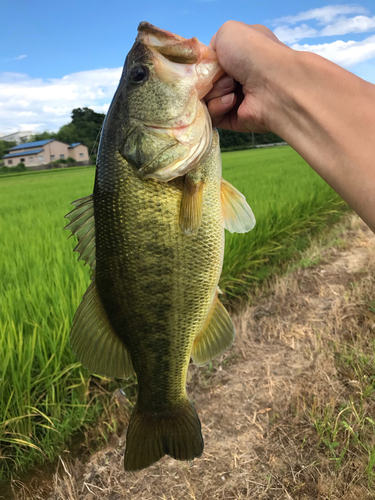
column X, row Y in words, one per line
column 28, row 145
column 33, row 152
column 74, row 145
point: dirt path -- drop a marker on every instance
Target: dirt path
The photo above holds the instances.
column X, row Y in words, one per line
column 255, row 404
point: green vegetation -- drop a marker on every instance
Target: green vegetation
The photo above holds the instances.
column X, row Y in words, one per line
column 20, row 167
column 341, row 409
column 230, row 141
column 290, row 203
column 4, row 146
column 44, row 392
column 85, row 127
column 45, row 395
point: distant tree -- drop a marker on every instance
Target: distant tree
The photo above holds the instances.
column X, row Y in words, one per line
column 5, row 146
column 229, row 139
column 84, row 128
column 80, row 115
column 236, row 140
column 88, row 124
column 69, row 134
column 42, row 136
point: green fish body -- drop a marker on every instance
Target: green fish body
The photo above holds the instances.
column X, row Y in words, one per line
column 153, row 234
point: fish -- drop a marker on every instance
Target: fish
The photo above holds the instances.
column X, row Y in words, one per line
column 153, row 234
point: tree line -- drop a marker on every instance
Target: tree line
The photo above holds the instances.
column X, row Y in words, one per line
column 230, row 140
column 85, row 128
column 86, row 125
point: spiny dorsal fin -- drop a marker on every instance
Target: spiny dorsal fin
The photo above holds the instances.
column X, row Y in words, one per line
column 238, row 216
column 191, row 205
column 94, row 342
column 216, row 336
column 82, row 225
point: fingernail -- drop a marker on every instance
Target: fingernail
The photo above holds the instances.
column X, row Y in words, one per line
column 226, row 82
column 227, row 99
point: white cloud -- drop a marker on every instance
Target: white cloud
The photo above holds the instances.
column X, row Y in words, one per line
column 33, row 127
column 290, row 35
column 323, row 15
column 46, row 104
column 345, row 54
column 100, row 108
column 18, row 58
column 332, row 20
column 343, row 26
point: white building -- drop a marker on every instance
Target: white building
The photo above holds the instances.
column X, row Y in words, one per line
column 18, row 137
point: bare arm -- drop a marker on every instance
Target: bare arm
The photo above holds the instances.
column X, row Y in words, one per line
column 324, row 112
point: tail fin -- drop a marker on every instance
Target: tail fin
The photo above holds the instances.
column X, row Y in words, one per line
column 150, row 437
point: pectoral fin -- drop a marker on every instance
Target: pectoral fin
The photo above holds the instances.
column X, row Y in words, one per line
column 191, row 205
column 94, row 342
column 238, row 216
column 216, row 337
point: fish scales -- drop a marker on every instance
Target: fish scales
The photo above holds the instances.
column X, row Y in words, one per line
column 153, row 235
column 166, row 280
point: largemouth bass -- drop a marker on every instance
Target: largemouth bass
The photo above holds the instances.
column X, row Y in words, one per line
column 153, row 235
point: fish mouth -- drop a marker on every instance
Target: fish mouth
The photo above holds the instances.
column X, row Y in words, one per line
column 169, row 147
column 175, row 57
column 173, row 47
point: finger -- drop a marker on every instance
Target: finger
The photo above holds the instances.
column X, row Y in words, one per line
column 220, row 106
column 212, row 44
column 225, row 85
column 269, row 34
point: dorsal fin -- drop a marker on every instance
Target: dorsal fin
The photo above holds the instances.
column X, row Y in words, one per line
column 82, row 225
column 238, row 216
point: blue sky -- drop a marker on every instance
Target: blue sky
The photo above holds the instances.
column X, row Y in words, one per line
column 55, row 56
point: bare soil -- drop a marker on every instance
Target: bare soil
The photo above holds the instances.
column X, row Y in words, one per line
column 259, row 403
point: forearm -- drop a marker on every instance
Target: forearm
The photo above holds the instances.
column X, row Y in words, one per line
column 328, row 116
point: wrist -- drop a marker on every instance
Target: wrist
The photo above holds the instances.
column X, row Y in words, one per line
column 285, row 82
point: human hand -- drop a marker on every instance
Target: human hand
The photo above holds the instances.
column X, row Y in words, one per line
column 251, row 56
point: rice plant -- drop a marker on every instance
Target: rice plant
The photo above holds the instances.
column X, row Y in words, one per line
column 45, row 393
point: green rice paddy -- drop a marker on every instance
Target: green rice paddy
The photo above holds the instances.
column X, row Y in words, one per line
column 45, row 394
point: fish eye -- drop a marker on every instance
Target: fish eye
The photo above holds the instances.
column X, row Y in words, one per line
column 139, row 74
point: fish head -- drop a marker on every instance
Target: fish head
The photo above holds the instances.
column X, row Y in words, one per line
column 166, row 128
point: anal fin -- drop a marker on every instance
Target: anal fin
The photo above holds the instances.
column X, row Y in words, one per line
column 216, row 336
column 94, row 341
